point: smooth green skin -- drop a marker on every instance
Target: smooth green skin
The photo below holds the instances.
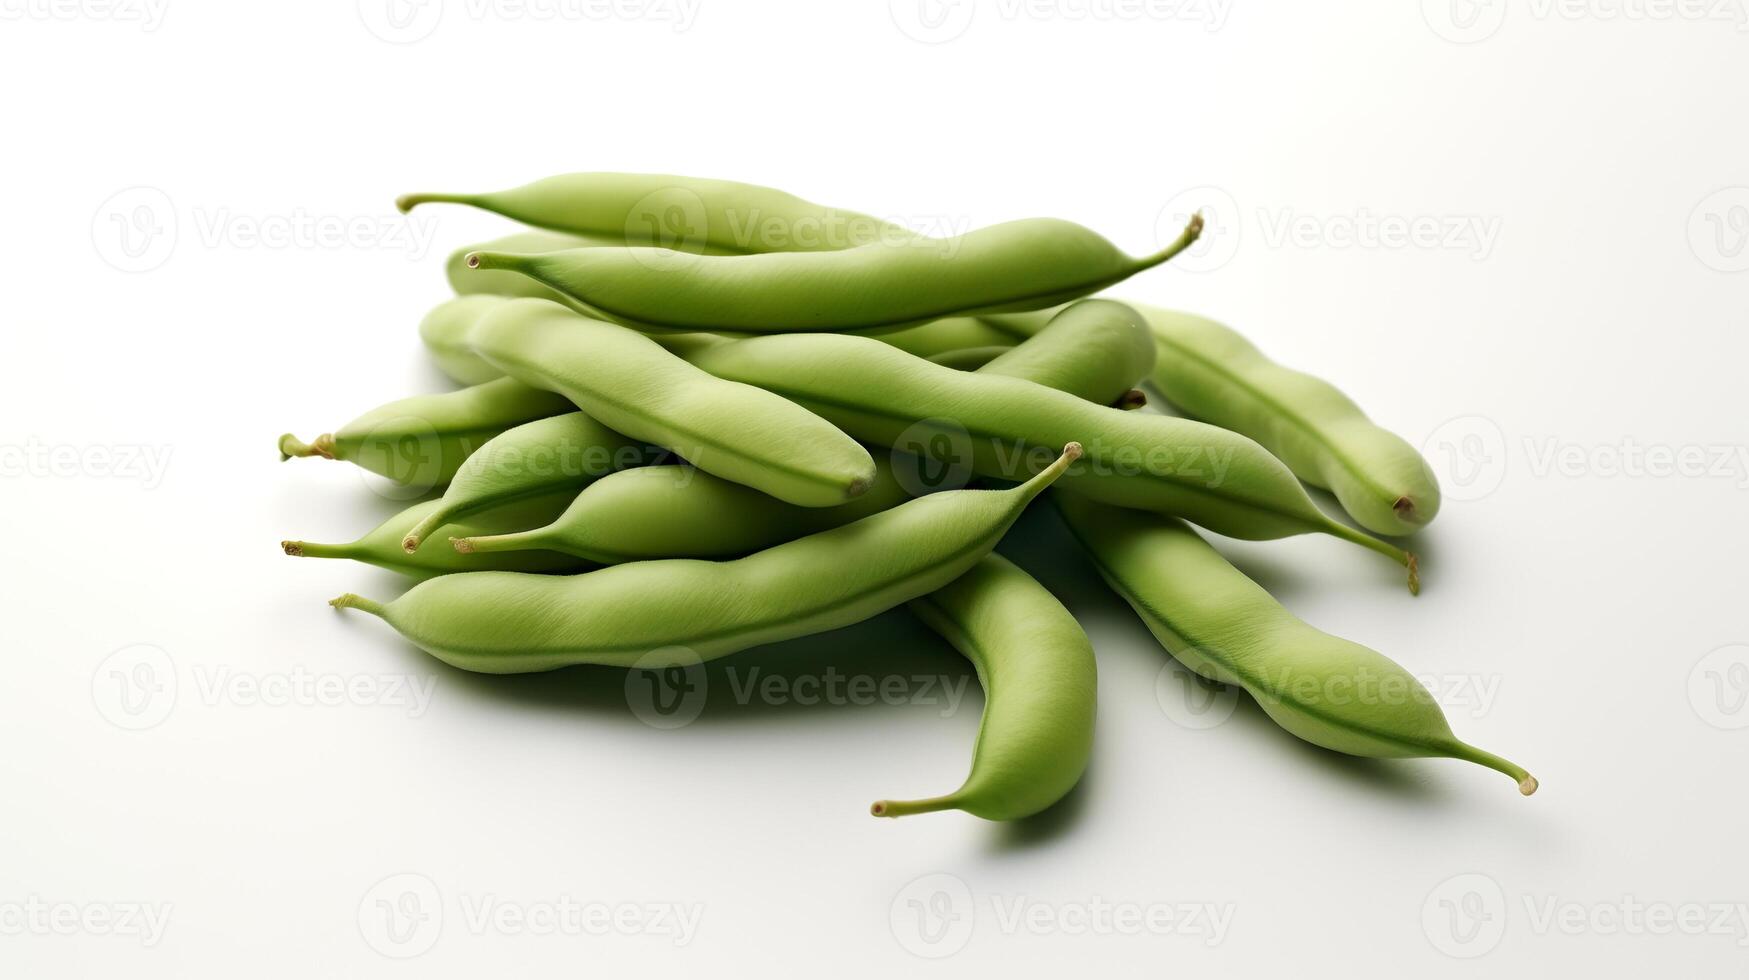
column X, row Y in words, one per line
column 948, row 334
column 565, row 452
column 444, row 331
column 678, row 612
column 1133, row 459
column 1214, row 374
column 1225, row 627
column 1036, row 667
column 678, row 512
column 1049, row 358
column 675, row 511
column 686, row 213
column 423, row 440
column 969, row 358
column 382, row 546
column 1021, row 265
column 632, row 385
column 467, row 281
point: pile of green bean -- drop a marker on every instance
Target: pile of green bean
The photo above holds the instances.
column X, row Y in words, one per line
column 698, row 416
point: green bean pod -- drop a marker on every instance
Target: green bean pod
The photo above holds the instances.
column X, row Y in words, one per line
column 445, row 329
column 1036, row 667
column 969, row 358
column 678, row 612
column 1021, row 265
column 678, row 512
column 674, row 511
column 382, row 546
column 1208, row 475
column 467, row 282
column 422, row 441
column 629, row 383
column 1329, row 691
column 686, row 213
column 1214, row 374
column 1047, row 357
column 566, row 452
column 946, row 335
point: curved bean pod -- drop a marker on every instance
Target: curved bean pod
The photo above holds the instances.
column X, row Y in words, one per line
column 950, row 333
column 629, row 383
column 674, row 511
column 1049, row 357
column 656, row 614
column 444, row 331
column 467, row 282
column 1021, row 265
column 565, row 452
column 1208, row 475
column 423, row 440
column 678, row 512
column 1036, row 667
column 688, row 213
column 1225, row 627
column 969, row 358
column 1214, row 374
column 382, row 546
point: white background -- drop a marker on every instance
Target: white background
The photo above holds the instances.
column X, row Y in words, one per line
column 1576, row 586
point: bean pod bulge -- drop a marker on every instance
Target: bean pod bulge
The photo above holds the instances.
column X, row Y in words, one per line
column 656, row 614
column 632, row 385
column 1036, row 667
column 1021, row 265
column 1327, row 690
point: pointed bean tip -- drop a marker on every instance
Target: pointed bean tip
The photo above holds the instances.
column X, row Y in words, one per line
column 1527, row 785
column 463, row 545
column 410, row 543
column 293, row 548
